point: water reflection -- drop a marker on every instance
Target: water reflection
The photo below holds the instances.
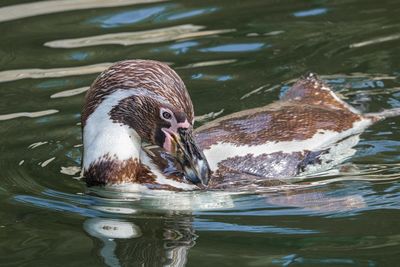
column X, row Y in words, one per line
column 295, row 259
column 135, row 232
column 243, row 47
column 70, row 92
column 208, row 63
column 79, row 56
column 12, row 75
column 311, row 12
column 35, row 114
column 162, row 241
column 192, row 13
column 318, row 200
column 128, row 17
column 173, row 33
column 165, row 239
column 182, row 47
column 337, row 219
column 160, row 200
column 376, row 41
column 50, row 7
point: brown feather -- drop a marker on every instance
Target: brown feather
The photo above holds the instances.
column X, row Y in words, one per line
column 149, row 75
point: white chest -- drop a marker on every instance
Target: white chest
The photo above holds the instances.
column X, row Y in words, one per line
column 102, row 136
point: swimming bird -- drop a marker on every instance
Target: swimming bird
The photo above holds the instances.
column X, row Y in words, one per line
column 137, row 118
column 138, row 121
column 308, row 130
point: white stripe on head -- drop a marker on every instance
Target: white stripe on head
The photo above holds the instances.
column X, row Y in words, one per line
column 102, row 136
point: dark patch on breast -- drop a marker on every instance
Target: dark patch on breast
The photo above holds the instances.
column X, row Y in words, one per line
column 149, row 75
column 108, row 170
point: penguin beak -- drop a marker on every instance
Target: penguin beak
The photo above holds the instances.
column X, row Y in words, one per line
column 189, row 155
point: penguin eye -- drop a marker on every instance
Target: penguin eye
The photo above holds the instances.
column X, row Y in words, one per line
column 166, row 115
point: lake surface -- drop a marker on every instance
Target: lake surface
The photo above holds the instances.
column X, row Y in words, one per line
column 232, row 55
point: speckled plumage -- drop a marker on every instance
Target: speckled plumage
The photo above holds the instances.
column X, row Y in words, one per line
column 121, row 108
column 154, row 76
column 306, row 108
column 284, row 138
column 279, row 140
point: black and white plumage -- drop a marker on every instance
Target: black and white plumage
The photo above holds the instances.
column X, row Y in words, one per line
column 132, row 105
column 137, row 130
column 309, row 129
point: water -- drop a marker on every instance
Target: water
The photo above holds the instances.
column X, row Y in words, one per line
column 232, row 55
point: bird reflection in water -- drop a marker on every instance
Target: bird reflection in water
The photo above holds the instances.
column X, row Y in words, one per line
column 159, row 241
column 165, row 238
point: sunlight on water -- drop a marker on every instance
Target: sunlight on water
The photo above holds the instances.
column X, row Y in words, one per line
column 49, row 7
column 142, row 37
column 233, row 56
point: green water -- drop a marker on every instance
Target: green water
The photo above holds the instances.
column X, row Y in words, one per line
column 232, row 55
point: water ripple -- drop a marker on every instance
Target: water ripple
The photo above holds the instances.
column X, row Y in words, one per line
column 376, row 41
column 141, row 37
column 207, row 63
column 204, row 225
column 311, row 12
column 127, row 17
column 50, row 7
column 12, row 75
column 27, row 114
column 242, row 47
column 71, row 92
